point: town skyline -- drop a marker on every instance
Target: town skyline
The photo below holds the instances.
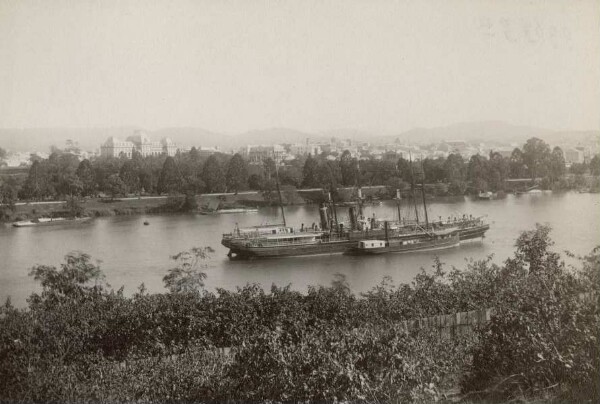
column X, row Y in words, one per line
column 496, row 131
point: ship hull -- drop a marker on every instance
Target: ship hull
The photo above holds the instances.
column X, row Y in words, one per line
column 473, row 232
column 240, row 249
column 327, row 248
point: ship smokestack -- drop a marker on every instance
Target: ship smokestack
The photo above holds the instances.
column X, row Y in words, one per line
column 353, row 224
column 398, row 194
column 324, row 220
column 359, row 193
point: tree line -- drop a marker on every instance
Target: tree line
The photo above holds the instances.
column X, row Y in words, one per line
column 62, row 174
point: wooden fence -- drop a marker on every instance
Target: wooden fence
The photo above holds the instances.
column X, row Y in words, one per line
column 464, row 322
column 452, row 324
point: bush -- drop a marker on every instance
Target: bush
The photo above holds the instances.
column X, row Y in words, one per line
column 543, row 338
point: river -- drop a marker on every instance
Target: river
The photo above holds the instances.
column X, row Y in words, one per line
column 131, row 252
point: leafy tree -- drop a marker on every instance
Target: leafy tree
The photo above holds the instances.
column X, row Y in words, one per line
column 556, row 164
column 130, row 174
column 61, row 168
column 578, row 168
column 103, row 168
column 455, row 173
column 187, row 276
column 477, row 172
column 85, row 173
column 3, row 153
column 542, row 335
column 434, row 169
column 77, row 278
column 35, row 185
column 518, row 168
column 256, row 182
column 403, row 169
column 595, row 165
column 309, row 173
column 115, row 186
column 72, row 185
column 8, row 196
column 498, row 170
column 536, row 154
column 170, row 178
column 237, row 173
column 269, row 166
column 213, row 176
column 349, row 169
column 291, row 175
column 329, row 176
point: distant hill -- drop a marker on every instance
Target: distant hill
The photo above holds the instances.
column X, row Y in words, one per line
column 40, row 139
column 487, row 131
column 474, row 132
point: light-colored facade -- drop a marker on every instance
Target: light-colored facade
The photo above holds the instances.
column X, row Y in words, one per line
column 207, row 151
column 139, row 142
column 300, row 149
column 574, row 156
column 258, row 154
column 114, row 147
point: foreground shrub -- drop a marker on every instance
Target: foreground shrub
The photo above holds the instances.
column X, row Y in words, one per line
column 544, row 337
column 339, row 364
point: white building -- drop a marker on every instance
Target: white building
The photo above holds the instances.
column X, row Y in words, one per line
column 574, row 156
column 258, row 153
column 139, row 142
column 301, row 149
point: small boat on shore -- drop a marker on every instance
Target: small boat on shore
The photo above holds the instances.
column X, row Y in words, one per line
column 49, row 221
column 228, row 210
column 486, row 196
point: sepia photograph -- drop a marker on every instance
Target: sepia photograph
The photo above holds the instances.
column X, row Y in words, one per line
column 379, row 201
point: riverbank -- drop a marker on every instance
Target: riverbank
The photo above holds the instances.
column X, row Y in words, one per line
column 140, row 205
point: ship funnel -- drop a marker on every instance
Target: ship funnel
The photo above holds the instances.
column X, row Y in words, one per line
column 353, row 224
column 398, row 196
column 323, row 215
column 329, row 197
column 359, row 191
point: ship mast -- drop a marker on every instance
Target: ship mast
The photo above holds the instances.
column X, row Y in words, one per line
column 423, row 193
column 331, row 198
column 398, row 197
column 412, row 187
column 279, row 191
column 358, row 190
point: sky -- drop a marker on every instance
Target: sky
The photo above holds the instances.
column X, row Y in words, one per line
column 234, row 66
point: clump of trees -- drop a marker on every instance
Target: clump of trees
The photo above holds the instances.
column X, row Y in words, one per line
column 62, row 175
column 80, row 340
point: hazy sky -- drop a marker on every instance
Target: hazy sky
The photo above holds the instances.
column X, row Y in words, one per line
column 239, row 65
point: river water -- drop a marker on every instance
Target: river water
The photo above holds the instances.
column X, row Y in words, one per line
column 132, row 253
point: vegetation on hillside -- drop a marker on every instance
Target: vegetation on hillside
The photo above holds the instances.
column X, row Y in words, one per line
column 80, row 340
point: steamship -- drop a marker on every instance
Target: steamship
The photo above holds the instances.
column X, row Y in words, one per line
column 332, row 237
column 358, row 235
